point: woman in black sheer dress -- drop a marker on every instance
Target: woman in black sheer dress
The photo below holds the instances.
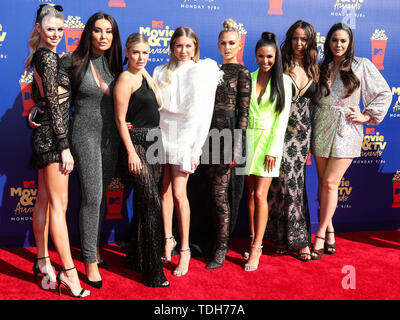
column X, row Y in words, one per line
column 289, row 220
column 52, row 157
column 137, row 101
column 225, row 183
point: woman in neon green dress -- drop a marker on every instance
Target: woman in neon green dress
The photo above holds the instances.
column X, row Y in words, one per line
column 268, row 117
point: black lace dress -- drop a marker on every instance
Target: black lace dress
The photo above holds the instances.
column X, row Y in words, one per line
column 289, row 216
column 52, row 135
column 146, row 238
column 215, row 190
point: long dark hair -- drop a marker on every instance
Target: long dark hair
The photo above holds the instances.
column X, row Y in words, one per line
column 277, row 88
column 81, row 56
column 350, row 80
column 311, row 52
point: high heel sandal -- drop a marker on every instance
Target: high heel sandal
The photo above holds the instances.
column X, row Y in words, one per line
column 330, row 248
column 317, row 254
column 253, row 267
column 60, row 282
column 182, row 271
column 246, row 254
column 36, row 269
column 166, row 259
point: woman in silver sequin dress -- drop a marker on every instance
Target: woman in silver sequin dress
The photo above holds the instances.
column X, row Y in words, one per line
column 338, row 121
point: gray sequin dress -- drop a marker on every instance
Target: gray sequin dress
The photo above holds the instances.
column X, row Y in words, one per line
column 333, row 135
column 95, row 144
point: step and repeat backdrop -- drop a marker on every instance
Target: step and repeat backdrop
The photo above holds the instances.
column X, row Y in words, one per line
column 369, row 193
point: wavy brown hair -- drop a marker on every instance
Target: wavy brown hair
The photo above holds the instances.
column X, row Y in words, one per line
column 310, row 55
column 350, row 80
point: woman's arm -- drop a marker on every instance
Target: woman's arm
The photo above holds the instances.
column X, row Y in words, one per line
column 123, row 89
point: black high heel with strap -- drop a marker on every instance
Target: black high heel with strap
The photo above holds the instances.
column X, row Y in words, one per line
column 36, row 269
column 95, row 284
column 60, row 282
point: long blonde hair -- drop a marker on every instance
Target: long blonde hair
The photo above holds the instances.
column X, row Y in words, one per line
column 140, row 38
column 173, row 61
column 47, row 10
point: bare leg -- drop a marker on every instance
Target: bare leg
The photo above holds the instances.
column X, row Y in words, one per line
column 57, row 190
column 330, row 172
column 249, row 183
column 261, row 185
column 167, row 202
column 40, row 223
column 179, row 182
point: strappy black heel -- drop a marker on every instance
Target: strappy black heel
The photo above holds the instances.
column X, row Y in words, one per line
column 60, row 282
column 36, row 269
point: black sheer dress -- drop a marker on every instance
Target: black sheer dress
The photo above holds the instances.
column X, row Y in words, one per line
column 224, row 186
column 146, row 232
column 52, row 136
column 289, row 217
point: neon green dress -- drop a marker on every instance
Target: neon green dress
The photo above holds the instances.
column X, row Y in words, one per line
column 266, row 128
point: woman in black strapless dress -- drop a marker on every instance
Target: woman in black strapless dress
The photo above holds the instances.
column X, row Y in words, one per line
column 136, row 101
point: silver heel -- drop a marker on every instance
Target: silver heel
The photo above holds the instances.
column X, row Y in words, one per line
column 182, row 272
column 166, row 259
column 253, row 267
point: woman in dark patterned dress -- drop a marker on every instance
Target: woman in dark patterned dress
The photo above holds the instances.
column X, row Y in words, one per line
column 52, row 157
column 137, row 100
column 231, row 110
column 289, row 221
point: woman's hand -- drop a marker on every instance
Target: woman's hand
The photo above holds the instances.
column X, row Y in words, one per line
column 134, row 163
column 357, row 116
column 269, row 163
column 195, row 163
column 33, row 111
column 67, row 164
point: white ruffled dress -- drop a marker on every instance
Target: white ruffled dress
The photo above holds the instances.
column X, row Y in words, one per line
column 188, row 103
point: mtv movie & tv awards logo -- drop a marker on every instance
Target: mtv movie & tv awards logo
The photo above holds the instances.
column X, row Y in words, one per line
column 395, row 110
column 73, row 28
column 378, row 48
column 159, row 37
column 114, row 199
column 25, row 83
column 200, row 4
column 344, row 192
column 26, row 197
column 320, row 45
column 348, row 8
column 396, row 190
column 374, row 143
column 242, row 33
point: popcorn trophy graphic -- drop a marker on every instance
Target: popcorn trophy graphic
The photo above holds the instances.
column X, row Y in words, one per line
column 378, row 47
column 117, row 3
column 396, row 190
column 275, row 7
column 26, row 90
column 242, row 33
column 73, row 31
column 114, row 199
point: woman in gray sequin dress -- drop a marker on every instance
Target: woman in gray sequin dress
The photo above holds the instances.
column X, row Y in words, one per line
column 93, row 68
column 289, row 219
column 338, row 122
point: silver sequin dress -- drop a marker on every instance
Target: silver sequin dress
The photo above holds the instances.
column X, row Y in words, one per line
column 333, row 135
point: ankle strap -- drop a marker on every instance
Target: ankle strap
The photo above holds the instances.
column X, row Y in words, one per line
column 184, row 250
column 257, row 247
column 68, row 269
column 319, row 237
column 42, row 258
column 172, row 237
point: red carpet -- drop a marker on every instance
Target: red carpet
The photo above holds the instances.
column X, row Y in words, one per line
column 374, row 258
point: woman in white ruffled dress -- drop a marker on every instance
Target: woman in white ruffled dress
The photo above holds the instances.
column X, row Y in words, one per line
column 187, row 86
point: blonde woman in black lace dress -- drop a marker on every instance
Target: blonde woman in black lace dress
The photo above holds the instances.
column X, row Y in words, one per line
column 231, row 111
column 52, row 156
column 289, row 220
